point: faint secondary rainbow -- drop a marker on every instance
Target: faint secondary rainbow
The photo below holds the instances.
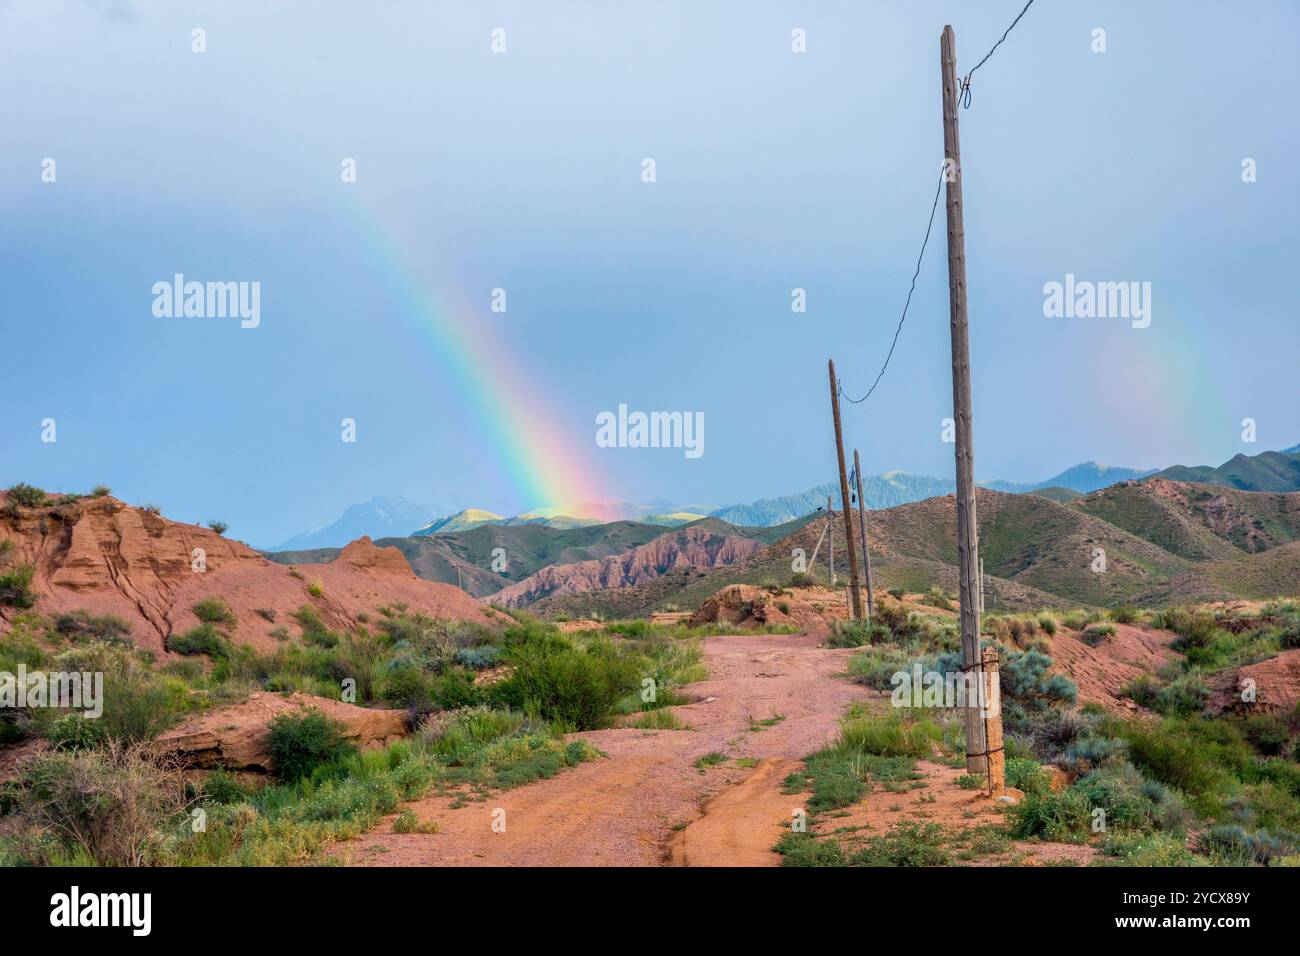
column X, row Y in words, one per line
column 540, row 461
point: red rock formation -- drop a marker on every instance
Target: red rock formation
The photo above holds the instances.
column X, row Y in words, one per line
column 690, row 547
column 234, row 737
column 105, row 557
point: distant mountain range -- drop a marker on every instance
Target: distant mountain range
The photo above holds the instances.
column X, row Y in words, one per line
column 895, row 488
column 378, row 517
column 1166, row 541
column 1277, row 471
column 391, row 517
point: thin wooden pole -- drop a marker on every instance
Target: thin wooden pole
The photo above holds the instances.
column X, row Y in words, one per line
column 862, row 523
column 855, row 587
column 830, row 541
column 967, row 533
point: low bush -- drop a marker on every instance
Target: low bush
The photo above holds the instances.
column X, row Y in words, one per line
column 107, row 806
column 204, row 639
column 857, row 633
column 300, row 742
column 1123, row 614
column 80, row 626
column 76, row 732
column 889, row 736
column 29, row 496
column 16, row 586
column 1094, row 634
column 577, row 688
column 214, row 610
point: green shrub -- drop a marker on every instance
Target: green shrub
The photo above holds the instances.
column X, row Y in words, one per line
column 801, row 579
column 1170, row 755
column 1194, row 628
column 76, row 732
column 214, row 610
column 803, row 849
column 408, row 822
column 1147, row 850
column 634, row 629
column 222, row 787
column 29, row 496
column 403, row 684
column 1059, row 817
column 876, row 666
column 1267, row 733
column 1094, row 634
column 479, row 658
column 100, row 491
column 139, row 705
column 1118, row 790
column 107, row 806
column 1123, row 614
column 1047, row 623
column 314, row 631
column 300, row 742
column 204, row 639
column 901, row 622
column 908, row 844
column 936, row 598
column 890, row 735
column 1026, row 775
column 16, row 586
column 454, row 688
column 857, row 633
column 559, row 682
column 220, row 527
column 1237, row 846
column 79, row 625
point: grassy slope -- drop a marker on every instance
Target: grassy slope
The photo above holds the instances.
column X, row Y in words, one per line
column 1198, row 522
column 1271, row 471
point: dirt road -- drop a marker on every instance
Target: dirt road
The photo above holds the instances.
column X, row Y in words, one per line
column 632, row 808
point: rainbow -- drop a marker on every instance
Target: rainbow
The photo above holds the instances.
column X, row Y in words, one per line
column 542, row 462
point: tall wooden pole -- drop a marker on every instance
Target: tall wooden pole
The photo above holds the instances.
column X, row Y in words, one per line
column 967, row 533
column 862, row 523
column 855, row 587
column 830, row 539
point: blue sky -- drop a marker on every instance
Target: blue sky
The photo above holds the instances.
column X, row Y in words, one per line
column 522, row 170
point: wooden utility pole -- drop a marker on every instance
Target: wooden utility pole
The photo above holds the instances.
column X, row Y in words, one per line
column 862, row 523
column 967, row 533
column 830, row 539
column 855, row 588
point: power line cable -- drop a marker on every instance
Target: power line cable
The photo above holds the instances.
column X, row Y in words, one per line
column 964, row 95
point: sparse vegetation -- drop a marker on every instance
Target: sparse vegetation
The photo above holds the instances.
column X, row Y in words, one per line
column 16, row 586
column 28, row 496
column 299, row 743
column 220, row 527
column 214, row 610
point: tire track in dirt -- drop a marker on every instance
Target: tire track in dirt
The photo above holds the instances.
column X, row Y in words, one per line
column 624, row 809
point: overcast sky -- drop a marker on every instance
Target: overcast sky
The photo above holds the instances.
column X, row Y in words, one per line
column 522, row 170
